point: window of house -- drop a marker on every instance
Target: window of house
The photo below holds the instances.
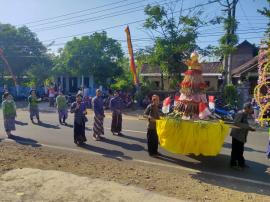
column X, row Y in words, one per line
column 157, row 83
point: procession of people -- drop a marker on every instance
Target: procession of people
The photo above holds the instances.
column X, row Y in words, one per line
column 78, row 108
column 152, row 113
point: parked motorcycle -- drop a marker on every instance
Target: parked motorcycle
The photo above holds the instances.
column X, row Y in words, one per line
column 226, row 112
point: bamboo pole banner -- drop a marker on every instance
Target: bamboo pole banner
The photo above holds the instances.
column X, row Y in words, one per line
column 131, row 57
column 8, row 66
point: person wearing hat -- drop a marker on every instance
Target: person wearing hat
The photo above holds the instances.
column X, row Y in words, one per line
column 152, row 113
column 98, row 104
column 33, row 105
column 79, row 110
column 62, row 107
column 116, row 106
column 9, row 113
column 239, row 137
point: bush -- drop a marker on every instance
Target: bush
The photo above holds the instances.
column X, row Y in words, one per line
column 230, row 95
column 121, row 85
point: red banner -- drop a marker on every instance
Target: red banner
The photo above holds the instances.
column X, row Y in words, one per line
column 131, row 56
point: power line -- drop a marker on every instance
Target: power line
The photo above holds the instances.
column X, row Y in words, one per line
column 94, row 19
column 85, row 33
column 218, row 33
column 141, row 46
column 245, row 15
column 121, row 25
column 114, row 14
column 134, row 40
column 240, row 37
column 70, row 18
column 146, row 39
column 72, row 13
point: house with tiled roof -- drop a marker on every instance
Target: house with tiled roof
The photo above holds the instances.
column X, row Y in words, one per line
column 247, row 72
column 211, row 72
column 244, row 66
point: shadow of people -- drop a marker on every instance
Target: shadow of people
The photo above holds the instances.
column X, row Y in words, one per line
column 229, row 146
column 216, row 171
column 220, row 164
column 88, row 129
column 106, row 152
column 47, row 125
column 68, row 125
column 131, row 147
column 134, row 138
column 25, row 141
column 176, row 161
column 247, row 186
column 20, row 123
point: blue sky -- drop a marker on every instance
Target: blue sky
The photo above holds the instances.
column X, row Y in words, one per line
column 18, row 12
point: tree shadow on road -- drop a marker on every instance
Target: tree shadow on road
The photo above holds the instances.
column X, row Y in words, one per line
column 25, row 141
column 47, row 125
column 134, row 138
column 130, row 147
column 211, row 170
column 229, row 146
column 114, row 154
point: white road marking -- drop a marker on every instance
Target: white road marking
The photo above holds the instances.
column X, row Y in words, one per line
column 156, row 164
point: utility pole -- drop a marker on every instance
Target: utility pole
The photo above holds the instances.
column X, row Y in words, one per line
column 232, row 32
column 230, row 26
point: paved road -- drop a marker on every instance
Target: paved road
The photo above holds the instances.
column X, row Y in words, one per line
column 133, row 145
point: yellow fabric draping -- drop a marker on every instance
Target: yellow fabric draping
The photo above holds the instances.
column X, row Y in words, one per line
column 191, row 137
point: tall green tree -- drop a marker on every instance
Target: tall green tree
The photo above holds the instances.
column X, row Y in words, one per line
column 174, row 34
column 40, row 72
column 229, row 40
column 22, row 49
column 125, row 80
column 97, row 54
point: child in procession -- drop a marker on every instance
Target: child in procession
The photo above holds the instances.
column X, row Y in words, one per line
column 33, row 106
column 9, row 113
column 62, row 107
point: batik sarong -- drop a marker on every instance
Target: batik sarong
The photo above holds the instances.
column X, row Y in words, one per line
column 98, row 125
column 116, row 126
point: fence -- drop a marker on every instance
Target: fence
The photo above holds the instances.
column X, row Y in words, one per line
column 22, row 92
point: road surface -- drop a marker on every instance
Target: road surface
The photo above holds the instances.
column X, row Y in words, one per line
column 132, row 146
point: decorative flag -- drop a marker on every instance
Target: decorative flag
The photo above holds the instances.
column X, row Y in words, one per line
column 131, row 56
column 166, row 105
column 8, row 66
column 176, row 100
column 211, row 102
column 203, row 111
